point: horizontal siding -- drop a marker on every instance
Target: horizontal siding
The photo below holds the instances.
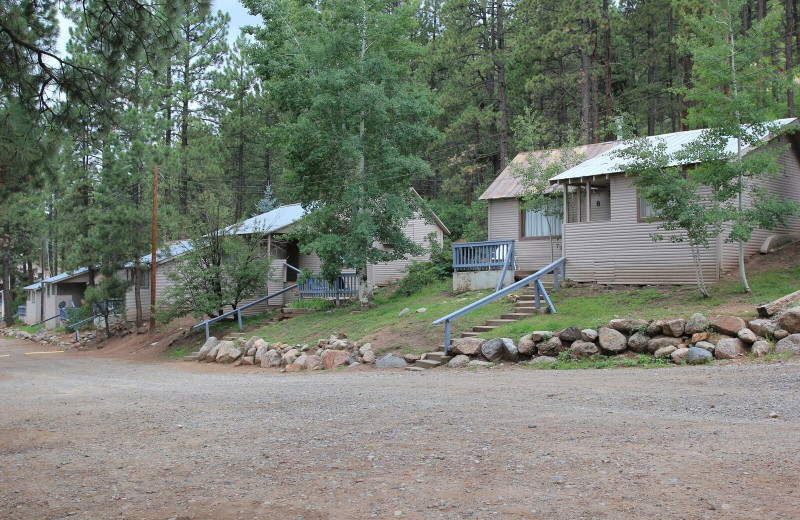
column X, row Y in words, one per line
column 418, row 230
column 504, row 224
column 622, row 251
column 163, row 283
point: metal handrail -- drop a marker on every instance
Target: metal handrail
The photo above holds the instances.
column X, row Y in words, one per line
column 559, row 271
column 45, row 321
column 238, row 311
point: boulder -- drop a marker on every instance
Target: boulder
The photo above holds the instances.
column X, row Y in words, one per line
column 228, row 352
column 467, row 346
column 527, row 346
column 588, row 334
column 570, row 334
column 626, row 325
column 638, row 342
column 353, row 357
column 698, row 356
column 789, row 320
column 270, row 358
column 705, row 345
column 210, row 343
column 293, row 368
column 250, row 342
column 365, row 347
column 403, row 312
column 699, row 336
column 729, row 348
column 654, row 328
column 390, row 361
column 679, row 356
column 251, row 351
column 289, row 357
column 665, row 351
column 411, row 358
column 459, row 361
column 673, row 328
column 301, row 360
column 780, row 334
column 479, row 363
column 662, row 341
column 368, row 357
column 760, row 348
column 583, row 349
column 747, row 335
column 248, row 360
column 550, row 348
column 313, row 362
column 539, row 335
column 500, row 349
column 543, row 359
column 334, row 358
column 789, row 344
column 729, row 325
column 612, row 341
column 421, row 310
column 764, row 328
column 696, row 323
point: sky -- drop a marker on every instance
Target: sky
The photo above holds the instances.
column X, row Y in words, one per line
column 238, row 13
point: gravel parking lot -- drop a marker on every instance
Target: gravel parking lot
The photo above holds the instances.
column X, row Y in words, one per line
column 91, row 437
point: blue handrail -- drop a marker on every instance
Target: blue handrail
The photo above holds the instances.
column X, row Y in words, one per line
column 558, row 269
column 238, row 311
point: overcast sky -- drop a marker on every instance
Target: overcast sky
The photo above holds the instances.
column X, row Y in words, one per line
column 238, row 13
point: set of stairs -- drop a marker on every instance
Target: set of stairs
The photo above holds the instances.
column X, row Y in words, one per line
column 433, row 360
column 524, row 308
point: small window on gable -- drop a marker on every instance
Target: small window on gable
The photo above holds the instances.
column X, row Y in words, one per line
column 538, row 224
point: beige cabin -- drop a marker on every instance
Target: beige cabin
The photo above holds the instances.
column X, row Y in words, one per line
column 43, row 300
column 606, row 237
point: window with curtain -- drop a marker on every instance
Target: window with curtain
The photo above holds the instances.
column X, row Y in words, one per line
column 535, row 224
column 646, row 209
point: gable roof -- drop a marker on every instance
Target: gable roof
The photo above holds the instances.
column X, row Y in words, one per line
column 609, row 162
column 57, row 278
column 165, row 253
column 271, row 221
column 509, row 185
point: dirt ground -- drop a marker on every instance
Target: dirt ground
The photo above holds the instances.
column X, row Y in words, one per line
column 93, row 436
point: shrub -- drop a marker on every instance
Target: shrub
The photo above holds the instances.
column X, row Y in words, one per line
column 423, row 274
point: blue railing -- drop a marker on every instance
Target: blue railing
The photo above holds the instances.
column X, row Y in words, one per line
column 113, row 304
column 558, row 268
column 344, row 286
column 21, row 311
column 482, row 256
column 238, row 311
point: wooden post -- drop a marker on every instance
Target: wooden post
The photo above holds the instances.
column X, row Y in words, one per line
column 153, row 253
column 588, row 201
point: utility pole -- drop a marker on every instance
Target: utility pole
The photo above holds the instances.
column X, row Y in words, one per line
column 153, row 253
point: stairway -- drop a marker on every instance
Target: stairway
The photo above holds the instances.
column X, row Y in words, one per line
column 524, row 308
column 433, row 360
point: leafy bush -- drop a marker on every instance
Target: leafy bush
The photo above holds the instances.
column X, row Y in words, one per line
column 423, row 274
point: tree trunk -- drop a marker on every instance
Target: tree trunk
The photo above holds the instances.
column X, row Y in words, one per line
column 9, row 320
column 607, row 37
column 137, row 287
column 501, row 85
column 183, row 189
column 788, row 49
column 585, row 86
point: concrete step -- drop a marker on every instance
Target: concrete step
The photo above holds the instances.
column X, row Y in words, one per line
column 498, row 323
column 237, row 334
column 441, row 357
column 516, row 316
column 483, row 328
column 426, row 363
column 529, row 298
column 469, row 334
column 192, row 357
column 531, row 309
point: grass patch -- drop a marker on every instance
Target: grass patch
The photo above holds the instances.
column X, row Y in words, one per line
column 319, row 304
column 564, row 362
column 29, row 328
column 179, row 352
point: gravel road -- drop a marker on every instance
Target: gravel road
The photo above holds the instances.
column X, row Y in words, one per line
column 88, row 437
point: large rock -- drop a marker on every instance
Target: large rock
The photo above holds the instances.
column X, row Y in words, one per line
column 467, row 346
column 698, row 356
column 729, row 348
column 705, row 345
column 627, row 325
column 550, row 348
column 301, row 360
column 543, row 359
column 479, row 363
column 390, row 361
column 228, row 352
column 780, row 334
column 364, row 348
column 760, row 348
column 764, row 328
column 696, row 323
column 680, row 356
column 583, row 349
column 698, row 337
column 251, row 342
column 539, row 335
column 212, row 354
column 247, row 360
column 500, row 349
column 210, row 343
column 612, row 341
column 527, row 346
column 789, row 320
column 638, row 342
column 368, row 357
column 662, row 341
column 729, row 325
column 313, row 362
column 747, row 335
column 789, row 344
column 665, row 351
column 654, row 328
column 333, row 358
column 459, row 361
column 588, row 334
column 289, row 357
column 570, row 334
column 673, row 328
column 270, row 358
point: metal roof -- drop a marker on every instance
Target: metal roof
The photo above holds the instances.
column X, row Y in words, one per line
column 57, row 278
column 270, row 221
column 509, row 185
column 165, row 253
column 610, row 162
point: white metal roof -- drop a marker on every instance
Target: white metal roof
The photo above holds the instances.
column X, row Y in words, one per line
column 610, row 162
column 58, row 278
column 270, row 221
column 165, row 253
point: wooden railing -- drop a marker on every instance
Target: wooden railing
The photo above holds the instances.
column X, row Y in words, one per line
column 344, row 286
column 482, row 256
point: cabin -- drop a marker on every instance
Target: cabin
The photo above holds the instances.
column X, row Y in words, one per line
column 606, row 235
column 45, row 299
column 166, row 257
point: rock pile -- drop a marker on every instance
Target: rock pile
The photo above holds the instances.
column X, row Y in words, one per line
column 44, row 338
column 328, row 354
column 695, row 340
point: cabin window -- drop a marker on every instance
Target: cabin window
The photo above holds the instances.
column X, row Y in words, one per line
column 541, row 223
column 646, row 210
column 598, row 206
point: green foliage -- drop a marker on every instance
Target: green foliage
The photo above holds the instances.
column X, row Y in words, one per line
column 424, row 274
column 564, row 362
column 319, row 304
column 97, row 298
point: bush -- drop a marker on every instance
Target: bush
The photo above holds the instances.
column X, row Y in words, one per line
column 319, row 304
column 423, row 274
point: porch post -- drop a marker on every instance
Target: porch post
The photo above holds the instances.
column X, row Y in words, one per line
column 588, row 201
column 564, row 221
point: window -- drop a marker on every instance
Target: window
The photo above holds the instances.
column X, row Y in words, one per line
column 537, row 224
column 646, row 209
